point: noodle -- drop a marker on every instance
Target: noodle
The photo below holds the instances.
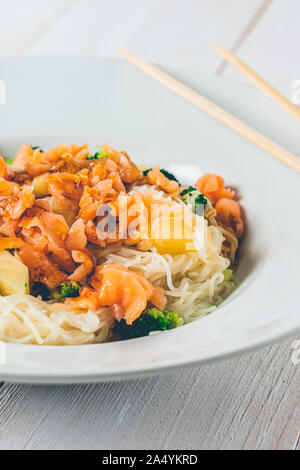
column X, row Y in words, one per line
column 194, row 285
column 54, row 243
column 28, row 320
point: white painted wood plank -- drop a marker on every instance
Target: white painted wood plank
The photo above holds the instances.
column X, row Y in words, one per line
column 247, row 402
column 272, row 48
column 171, row 32
column 23, row 22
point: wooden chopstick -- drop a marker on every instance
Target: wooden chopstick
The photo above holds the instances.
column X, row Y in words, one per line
column 215, row 111
column 259, row 82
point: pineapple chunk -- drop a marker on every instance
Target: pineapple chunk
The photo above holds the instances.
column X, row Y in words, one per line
column 142, row 167
column 14, row 277
column 39, row 185
column 173, row 233
column 69, row 215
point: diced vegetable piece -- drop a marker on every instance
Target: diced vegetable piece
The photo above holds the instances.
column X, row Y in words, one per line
column 174, row 233
column 65, row 290
column 142, row 168
column 40, row 289
column 228, row 275
column 40, row 185
column 35, row 148
column 169, row 175
column 100, row 154
column 152, row 319
column 14, row 278
column 188, row 191
column 194, row 199
column 69, row 215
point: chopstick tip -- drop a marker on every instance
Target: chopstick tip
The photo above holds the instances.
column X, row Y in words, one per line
column 216, row 45
column 126, row 54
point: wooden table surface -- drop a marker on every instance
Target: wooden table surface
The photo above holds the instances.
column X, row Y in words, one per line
column 248, row 402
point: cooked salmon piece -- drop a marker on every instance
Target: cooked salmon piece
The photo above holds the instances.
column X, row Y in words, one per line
column 4, row 171
column 66, row 186
column 41, row 268
column 229, row 214
column 85, row 268
column 128, row 170
column 8, row 188
column 54, row 229
column 10, row 243
column 76, row 238
column 9, row 228
column 23, row 156
column 69, row 164
column 40, row 162
column 124, row 291
column 157, row 178
column 212, row 186
column 93, row 199
column 15, row 205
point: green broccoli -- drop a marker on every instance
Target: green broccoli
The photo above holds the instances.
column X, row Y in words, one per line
column 188, row 191
column 152, row 319
column 66, row 289
column 40, row 289
column 164, row 172
column 200, row 199
column 100, row 154
column 193, row 198
column 96, row 156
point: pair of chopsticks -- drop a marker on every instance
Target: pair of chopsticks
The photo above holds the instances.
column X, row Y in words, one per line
column 220, row 114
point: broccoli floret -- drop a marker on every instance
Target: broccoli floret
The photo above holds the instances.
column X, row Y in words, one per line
column 152, row 319
column 100, row 154
column 164, row 172
column 188, row 191
column 40, row 289
column 200, row 199
column 193, row 198
column 69, row 289
column 66, row 289
column 169, row 175
column 96, row 156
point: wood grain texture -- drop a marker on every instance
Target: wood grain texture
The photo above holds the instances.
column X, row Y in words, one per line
column 272, row 48
column 171, row 32
column 247, row 402
column 253, row 22
column 24, row 23
column 250, row 402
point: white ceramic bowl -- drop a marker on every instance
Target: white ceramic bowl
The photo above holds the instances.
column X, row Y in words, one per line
column 54, row 100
